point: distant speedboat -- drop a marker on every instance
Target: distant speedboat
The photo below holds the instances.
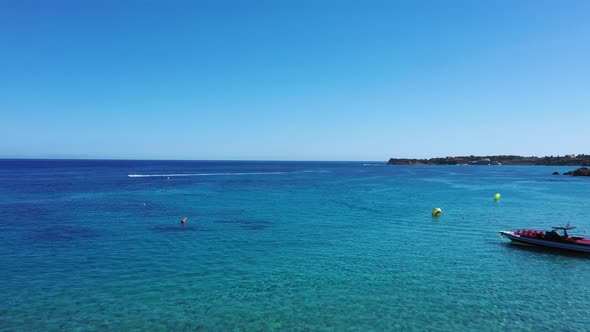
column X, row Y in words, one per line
column 550, row 239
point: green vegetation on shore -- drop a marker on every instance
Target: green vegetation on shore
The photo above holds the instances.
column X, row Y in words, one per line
column 569, row 160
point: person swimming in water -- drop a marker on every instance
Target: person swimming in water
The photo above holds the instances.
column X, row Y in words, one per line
column 183, row 221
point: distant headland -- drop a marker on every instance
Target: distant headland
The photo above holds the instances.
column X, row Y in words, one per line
column 568, row 160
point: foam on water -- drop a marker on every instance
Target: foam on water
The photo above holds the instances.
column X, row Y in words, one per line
column 219, row 174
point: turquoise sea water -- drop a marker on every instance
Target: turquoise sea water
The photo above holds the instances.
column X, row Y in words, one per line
column 284, row 246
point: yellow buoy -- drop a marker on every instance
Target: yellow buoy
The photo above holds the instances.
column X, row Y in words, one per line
column 436, row 212
column 496, row 197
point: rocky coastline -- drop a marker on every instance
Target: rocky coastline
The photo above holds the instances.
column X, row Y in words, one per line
column 584, row 171
column 568, row 160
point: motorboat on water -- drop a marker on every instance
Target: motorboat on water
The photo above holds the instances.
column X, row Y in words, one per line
column 550, row 238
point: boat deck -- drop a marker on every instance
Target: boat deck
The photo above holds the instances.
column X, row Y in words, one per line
column 569, row 243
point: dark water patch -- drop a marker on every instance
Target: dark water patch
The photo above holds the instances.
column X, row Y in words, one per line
column 213, row 213
column 58, row 233
column 357, row 207
column 247, row 224
column 220, row 213
column 162, row 210
column 23, row 214
column 178, row 228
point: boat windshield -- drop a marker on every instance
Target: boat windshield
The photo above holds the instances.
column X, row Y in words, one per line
column 564, row 229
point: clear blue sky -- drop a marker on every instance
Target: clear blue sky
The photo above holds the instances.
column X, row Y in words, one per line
column 293, row 80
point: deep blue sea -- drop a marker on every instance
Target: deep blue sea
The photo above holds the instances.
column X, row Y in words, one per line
column 286, row 246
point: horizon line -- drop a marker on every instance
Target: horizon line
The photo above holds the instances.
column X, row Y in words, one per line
column 139, row 159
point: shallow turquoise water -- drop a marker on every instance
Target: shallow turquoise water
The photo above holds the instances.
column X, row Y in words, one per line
column 286, row 246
